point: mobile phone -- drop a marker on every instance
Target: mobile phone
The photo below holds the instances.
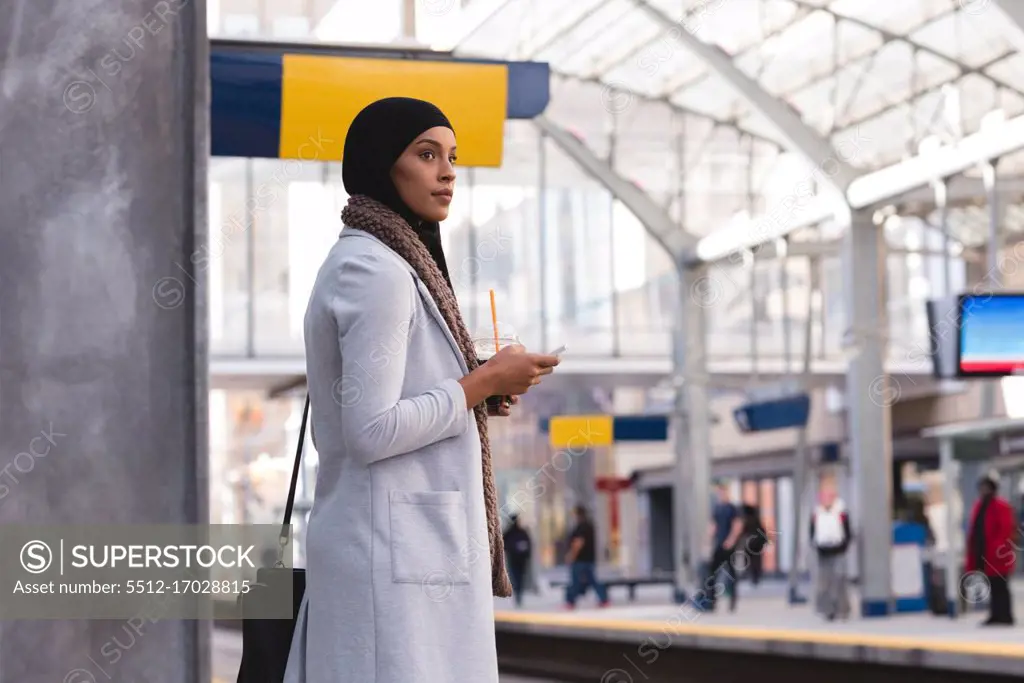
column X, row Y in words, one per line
column 559, row 351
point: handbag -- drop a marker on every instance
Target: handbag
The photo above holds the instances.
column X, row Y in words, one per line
column 266, row 641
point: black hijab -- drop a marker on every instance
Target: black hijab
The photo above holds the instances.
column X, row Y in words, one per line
column 377, row 137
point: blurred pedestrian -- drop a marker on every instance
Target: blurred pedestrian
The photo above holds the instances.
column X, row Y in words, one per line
column 830, row 536
column 518, row 549
column 725, row 531
column 991, row 550
column 582, row 561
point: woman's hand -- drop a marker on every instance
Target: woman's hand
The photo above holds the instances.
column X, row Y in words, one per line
column 512, row 371
column 504, row 408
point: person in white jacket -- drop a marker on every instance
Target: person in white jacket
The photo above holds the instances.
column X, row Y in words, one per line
column 830, row 536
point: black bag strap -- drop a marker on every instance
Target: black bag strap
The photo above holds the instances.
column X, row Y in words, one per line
column 286, row 525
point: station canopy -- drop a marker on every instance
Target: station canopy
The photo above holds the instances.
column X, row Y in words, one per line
column 879, row 80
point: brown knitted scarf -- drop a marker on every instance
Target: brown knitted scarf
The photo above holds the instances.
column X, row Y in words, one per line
column 375, row 218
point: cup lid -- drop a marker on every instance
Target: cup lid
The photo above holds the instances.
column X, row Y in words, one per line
column 486, row 344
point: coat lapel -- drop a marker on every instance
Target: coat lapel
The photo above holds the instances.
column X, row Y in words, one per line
column 431, row 305
column 425, row 298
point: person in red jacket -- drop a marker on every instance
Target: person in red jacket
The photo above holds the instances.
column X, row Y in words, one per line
column 991, row 548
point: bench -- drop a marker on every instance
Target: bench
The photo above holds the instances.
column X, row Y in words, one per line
column 630, row 582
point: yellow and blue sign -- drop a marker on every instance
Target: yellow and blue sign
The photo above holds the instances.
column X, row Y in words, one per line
column 298, row 104
column 587, row 431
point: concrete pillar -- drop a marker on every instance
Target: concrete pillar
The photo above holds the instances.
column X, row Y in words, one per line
column 994, row 278
column 953, row 556
column 579, row 479
column 692, row 428
column 629, row 532
column 103, row 123
column 642, row 539
column 869, row 399
column 409, row 19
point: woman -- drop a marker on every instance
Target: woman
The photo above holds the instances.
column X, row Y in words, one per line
column 992, row 539
column 404, row 540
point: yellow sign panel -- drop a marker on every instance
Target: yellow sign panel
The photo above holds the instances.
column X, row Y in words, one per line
column 321, row 95
column 578, row 432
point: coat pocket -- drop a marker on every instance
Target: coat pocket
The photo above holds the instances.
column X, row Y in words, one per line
column 429, row 541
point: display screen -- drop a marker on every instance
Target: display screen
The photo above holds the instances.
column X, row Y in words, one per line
column 991, row 334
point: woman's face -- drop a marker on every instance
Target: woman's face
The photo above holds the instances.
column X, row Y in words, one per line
column 425, row 174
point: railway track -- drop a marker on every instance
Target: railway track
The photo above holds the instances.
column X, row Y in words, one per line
column 607, row 660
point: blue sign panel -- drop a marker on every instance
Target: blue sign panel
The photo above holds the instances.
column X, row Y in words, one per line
column 781, row 413
column 641, row 428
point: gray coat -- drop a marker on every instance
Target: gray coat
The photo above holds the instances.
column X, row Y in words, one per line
column 398, row 569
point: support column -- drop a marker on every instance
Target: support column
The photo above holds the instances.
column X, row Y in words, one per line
column 542, row 231
column 629, row 532
column 993, row 278
column 579, row 479
column 691, row 428
column 869, row 399
column 941, row 190
column 802, row 505
column 103, row 301
column 409, row 19
column 952, row 559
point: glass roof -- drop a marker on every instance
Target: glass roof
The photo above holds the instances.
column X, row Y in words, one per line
column 884, row 75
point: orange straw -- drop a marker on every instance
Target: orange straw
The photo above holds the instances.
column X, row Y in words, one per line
column 494, row 321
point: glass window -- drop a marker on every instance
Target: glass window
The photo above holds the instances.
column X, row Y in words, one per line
column 215, row 267
column 336, row 191
column 227, row 261
column 241, row 26
column 728, row 309
column 312, row 230
column 629, row 238
column 833, row 311
column 778, row 314
column 645, row 288
column 487, row 253
column 578, row 264
column 293, row 217
column 495, row 238
column 337, row 21
column 213, row 16
column 577, row 313
column 290, row 28
column 222, row 504
column 250, row 457
column 356, row 21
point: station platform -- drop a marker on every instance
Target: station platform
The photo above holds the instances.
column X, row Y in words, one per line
column 764, row 623
column 227, row 654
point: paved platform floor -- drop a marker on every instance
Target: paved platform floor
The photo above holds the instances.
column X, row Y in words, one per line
column 765, row 623
column 766, row 607
column 762, row 613
column 227, row 653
